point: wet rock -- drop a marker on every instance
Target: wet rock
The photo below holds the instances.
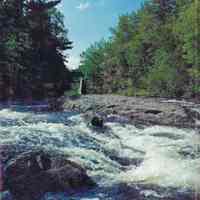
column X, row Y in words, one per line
column 154, row 112
column 32, row 174
column 140, row 110
column 192, row 112
column 55, row 104
column 125, row 161
column 97, row 121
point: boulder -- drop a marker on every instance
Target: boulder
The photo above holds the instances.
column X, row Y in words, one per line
column 32, row 174
column 192, row 112
column 97, row 121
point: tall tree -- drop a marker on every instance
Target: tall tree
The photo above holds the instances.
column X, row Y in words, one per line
column 33, row 39
column 154, row 51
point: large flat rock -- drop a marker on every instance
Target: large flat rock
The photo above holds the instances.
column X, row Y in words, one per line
column 147, row 111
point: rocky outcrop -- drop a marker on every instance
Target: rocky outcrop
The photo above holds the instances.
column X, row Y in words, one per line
column 30, row 175
column 138, row 110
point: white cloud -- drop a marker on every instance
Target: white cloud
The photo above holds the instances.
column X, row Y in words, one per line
column 83, row 6
column 73, row 62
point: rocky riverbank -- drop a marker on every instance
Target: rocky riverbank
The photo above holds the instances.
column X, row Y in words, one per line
column 138, row 110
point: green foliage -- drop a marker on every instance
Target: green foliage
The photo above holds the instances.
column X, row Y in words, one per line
column 93, row 58
column 74, row 92
column 162, row 78
column 11, row 43
column 32, row 41
column 154, row 52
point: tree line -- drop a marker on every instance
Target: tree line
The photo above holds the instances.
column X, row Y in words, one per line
column 33, row 41
column 152, row 52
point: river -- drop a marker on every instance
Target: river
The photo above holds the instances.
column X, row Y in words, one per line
column 127, row 162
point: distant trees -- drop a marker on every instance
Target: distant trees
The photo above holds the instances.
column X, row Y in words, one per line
column 153, row 52
column 32, row 41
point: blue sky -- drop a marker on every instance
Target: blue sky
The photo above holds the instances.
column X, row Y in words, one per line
column 89, row 21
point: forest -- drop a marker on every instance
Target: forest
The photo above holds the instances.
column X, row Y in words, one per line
column 151, row 52
column 33, row 44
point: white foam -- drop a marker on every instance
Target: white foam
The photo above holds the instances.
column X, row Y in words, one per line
column 171, row 156
column 163, row 162
column 9, row 114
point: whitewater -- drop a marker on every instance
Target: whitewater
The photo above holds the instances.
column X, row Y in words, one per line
column 127, row 162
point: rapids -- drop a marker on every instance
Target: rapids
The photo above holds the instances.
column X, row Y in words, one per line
column 127, row 162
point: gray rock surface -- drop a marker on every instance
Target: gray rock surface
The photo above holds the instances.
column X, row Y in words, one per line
column 138, row 110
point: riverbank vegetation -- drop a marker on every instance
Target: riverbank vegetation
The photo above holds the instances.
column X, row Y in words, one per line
column 152, row 52
column 33, row 39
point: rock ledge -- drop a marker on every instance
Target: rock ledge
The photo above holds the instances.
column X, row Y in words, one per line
column 139, row 110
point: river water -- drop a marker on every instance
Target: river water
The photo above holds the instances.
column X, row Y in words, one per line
column 127, row 162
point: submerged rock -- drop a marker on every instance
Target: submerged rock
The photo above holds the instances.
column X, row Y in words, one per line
column 30, row 175
column 97, row 121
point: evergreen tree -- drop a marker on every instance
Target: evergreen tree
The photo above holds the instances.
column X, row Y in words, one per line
column 33, row 39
